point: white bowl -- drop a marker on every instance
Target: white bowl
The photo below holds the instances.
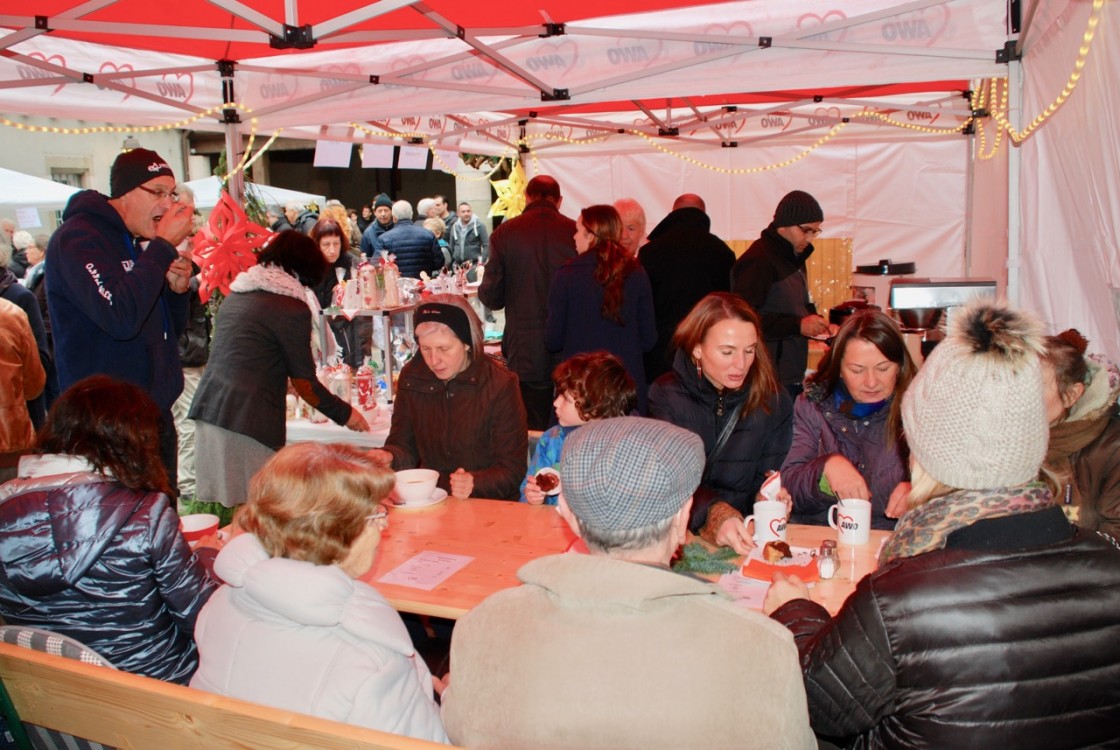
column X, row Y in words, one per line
column 198, row 525
column 415, row 485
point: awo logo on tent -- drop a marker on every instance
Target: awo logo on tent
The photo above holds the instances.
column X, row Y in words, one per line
column 177, row 86
column 31, row 73
column 737, row 29
column 925, row 26
column 554, row 58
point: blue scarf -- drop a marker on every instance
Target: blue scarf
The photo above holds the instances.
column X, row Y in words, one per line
column 849, row 407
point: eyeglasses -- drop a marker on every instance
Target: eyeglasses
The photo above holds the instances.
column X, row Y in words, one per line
column 809, row 230
column 161, row 194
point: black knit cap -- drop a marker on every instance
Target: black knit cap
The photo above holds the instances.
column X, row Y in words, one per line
column 450, row 315
column 797, row 207
column 382, row 200
column 133, row 168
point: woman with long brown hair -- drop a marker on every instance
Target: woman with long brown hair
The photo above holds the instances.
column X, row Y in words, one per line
column 90, row 545
column 601, row 299
column 847, row 426
column 723, row 388
column 354, row 336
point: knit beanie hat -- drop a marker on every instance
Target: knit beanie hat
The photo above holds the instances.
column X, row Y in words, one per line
column 797, row 207
column 133, row 168
column 629, row 472
column 382, row 200
column 974, row 416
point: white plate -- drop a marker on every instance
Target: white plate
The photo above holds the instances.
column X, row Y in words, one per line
column 438, row 496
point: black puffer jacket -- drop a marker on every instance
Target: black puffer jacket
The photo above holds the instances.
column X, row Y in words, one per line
column 758, row 443
column 89, row 558
column 1009, row 637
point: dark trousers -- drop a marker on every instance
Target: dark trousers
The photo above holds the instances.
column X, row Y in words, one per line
column 169, row 449
column 537, row 398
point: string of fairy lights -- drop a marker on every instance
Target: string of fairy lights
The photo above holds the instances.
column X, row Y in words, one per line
column 985, row 94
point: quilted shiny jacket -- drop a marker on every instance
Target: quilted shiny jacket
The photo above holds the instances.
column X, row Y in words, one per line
column 84, row 556
column 1009, row 637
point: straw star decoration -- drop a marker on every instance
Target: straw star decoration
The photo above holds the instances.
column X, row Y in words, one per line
column 511, row 193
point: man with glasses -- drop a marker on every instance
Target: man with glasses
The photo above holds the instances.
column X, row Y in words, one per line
column 118, row 306
column 770, row 276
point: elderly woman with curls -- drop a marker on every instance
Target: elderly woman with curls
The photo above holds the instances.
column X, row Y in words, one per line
column 293, row 627
column 90, row 545
column 847, row 425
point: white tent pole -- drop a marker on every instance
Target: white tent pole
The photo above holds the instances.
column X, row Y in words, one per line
column 235, row 185
column 969, row 207
column 1014, row 191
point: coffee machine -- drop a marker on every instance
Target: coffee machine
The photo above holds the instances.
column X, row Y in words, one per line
column 924, row 307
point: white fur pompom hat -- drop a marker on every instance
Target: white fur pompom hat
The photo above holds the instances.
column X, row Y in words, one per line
column 974, row 416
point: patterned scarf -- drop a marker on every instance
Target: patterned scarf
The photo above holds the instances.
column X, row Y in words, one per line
column 927, row 527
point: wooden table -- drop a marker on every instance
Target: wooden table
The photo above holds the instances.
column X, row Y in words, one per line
column 502, row 536
column 855, row 562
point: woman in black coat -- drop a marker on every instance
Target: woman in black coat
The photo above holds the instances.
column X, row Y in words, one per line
column 722, row 382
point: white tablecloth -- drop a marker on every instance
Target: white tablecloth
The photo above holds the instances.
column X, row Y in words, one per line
column 302, row 431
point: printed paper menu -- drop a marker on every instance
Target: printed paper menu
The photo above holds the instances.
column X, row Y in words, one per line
column 426, row 570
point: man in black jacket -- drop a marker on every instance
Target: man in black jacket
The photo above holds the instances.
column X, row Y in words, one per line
column 770, row 276
column 685, row 262
column 524, row 255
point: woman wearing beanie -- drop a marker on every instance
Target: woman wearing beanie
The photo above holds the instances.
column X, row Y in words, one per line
column 847, row 425
column 1083, row 461
column 991, row 621
column 457, row 410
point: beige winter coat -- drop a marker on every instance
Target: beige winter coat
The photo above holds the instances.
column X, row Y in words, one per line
column 593, row 652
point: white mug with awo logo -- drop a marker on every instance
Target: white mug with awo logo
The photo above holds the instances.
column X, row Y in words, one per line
column 852, row 520
column 770, row 519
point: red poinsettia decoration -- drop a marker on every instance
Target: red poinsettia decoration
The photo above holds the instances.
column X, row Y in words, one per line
column 226, row 246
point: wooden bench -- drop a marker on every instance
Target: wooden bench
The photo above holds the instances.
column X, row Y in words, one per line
column 125, row 710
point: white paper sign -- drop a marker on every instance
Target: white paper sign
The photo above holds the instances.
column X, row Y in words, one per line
column 446, row 161
column 333, row 153
column 377, row 156
column 413, row 157
column 426, row 570
column 28, row 218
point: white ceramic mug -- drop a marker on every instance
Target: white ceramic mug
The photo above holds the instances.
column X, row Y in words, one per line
column 770, row 519
column 852, row 520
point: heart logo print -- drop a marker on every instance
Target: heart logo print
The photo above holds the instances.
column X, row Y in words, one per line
column 777, row 526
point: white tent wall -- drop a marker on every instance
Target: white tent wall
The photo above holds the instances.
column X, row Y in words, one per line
column 904, row 200
column 987, row 246
column 1071, row 177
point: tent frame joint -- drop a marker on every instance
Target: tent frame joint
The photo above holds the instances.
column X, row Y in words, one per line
column 553, row 29
column 375, row 80
column 41, row 24
column 295, row 37
column 556, row 95
column 1008, row 53
column 764, row 42
column 668, row 132
column 729, row 144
